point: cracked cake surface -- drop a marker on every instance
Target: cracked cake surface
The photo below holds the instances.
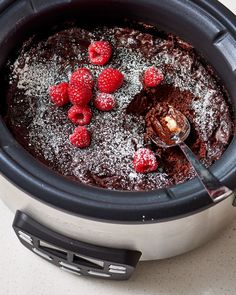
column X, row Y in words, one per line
column 189, row 85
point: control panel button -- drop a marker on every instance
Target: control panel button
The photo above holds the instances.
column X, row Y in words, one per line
column 122, row 272
column 21, row 233
column 72, row 267
column 99, row 274
column 70, row 271
column 117, row 267
column 42, row 254
column 29, row 241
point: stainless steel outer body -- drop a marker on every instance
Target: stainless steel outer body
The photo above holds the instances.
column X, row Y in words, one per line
column 155, row 241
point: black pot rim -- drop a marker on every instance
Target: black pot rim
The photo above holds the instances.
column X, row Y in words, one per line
column 39, row 182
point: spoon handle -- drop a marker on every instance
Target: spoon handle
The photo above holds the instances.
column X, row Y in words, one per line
column 216, row 190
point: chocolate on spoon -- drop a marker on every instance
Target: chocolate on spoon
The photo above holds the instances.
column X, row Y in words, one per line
column 169, row 124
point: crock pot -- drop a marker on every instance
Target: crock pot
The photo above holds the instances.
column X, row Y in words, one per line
column 98, row 232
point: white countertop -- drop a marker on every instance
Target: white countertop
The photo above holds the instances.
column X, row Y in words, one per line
column 210, row 270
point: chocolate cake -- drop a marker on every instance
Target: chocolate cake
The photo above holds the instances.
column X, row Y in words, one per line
column 189, row 85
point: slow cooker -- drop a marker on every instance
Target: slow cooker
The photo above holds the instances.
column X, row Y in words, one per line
column 102, row 233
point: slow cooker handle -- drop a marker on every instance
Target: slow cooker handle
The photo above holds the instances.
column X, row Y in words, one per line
column 72, row 255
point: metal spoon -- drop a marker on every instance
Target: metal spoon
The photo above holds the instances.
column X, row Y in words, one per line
column 216, row 190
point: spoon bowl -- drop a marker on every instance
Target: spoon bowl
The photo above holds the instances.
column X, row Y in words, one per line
column 177, row 137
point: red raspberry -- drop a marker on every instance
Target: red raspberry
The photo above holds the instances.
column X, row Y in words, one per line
column 100, row 52
column 80, row 115
column 79, row 95
column 144, row 161
column 104, row 102
column 110, row 80
column 59, row 94
column 81, row 137
column 82, row 77
column 153, row 77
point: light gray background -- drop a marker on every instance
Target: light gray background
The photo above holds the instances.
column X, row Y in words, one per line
column 210, row 270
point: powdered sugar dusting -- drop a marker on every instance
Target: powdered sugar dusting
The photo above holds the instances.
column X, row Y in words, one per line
column 109, row 159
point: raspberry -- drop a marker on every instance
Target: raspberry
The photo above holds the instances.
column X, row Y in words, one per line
column 82, row 77
column 79, row 95
column 110, row 80
column 153, row 77
column 100, row 52
column 80, row 115
column 144, row 161
column 104, row 102
column 59, row 94
column 81, row 137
